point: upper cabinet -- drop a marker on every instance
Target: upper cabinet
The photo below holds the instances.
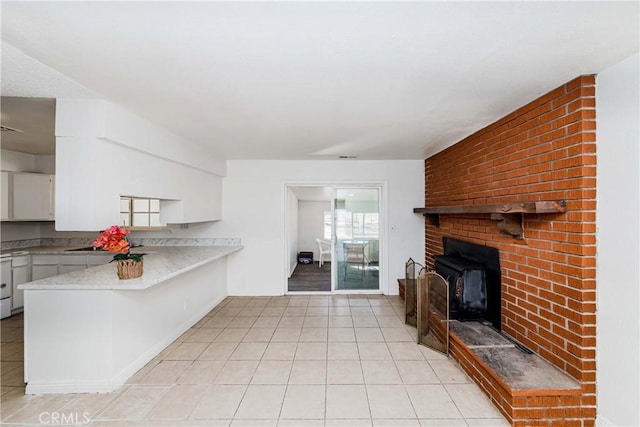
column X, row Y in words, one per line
column 104, row 153
column 29, row 196
column 6, row 197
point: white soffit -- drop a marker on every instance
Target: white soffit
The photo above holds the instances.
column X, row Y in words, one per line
column 306, row 80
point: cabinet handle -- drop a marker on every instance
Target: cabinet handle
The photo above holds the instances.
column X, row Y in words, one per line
column 4, row 285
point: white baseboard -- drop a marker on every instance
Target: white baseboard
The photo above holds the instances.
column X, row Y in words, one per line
column 58, row 388
column 603, row 422
column 292, row 270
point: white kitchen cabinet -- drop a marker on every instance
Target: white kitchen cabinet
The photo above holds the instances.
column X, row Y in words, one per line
column 5, row 209
column 69, row 263
column 98, row 259
column 33, row 197
column 43, row 271
column 6, row 273
column 43, row 266
column 21, row 273
column 5, row 289
column 64, row 269
column 75, row 262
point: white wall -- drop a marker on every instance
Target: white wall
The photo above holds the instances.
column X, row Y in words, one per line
column 254, row 210
column 311, row 225
column 293, row 231
column 103, row 152
column 618, row 201
column 11, row 231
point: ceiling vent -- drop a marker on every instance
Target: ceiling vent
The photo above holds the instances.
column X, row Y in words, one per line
column 4, row 128
column 347, row 157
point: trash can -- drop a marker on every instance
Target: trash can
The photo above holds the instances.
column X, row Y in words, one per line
column 305, row 257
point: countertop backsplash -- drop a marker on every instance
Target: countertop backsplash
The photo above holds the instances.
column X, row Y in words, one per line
column 81, row 242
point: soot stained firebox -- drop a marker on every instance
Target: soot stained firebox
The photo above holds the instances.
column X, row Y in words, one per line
column 473, row 273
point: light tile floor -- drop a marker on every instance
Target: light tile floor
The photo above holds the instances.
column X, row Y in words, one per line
column 271, row 361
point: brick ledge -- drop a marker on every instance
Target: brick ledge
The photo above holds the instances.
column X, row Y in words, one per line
column 521, row 406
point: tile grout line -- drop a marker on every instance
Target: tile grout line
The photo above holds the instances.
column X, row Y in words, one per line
column 378, row 310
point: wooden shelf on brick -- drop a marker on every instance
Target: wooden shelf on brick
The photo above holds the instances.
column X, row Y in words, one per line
column 507, row 215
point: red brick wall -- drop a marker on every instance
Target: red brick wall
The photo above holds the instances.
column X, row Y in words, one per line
column 545, row 150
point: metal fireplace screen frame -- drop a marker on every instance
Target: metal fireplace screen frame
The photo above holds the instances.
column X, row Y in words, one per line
column 432, row 293
column 412, row 269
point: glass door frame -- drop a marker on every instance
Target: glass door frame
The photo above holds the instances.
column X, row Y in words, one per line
column 334, row 240
column 383, row 287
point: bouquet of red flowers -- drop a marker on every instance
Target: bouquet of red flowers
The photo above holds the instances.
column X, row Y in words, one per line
column 114, row 239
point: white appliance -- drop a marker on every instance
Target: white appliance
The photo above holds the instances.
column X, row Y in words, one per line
column 6, row 287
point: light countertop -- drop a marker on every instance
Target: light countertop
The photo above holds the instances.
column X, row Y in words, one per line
column 160, row 264
column 49, row 250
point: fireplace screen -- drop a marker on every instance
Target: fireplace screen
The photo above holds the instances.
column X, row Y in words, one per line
column 432, row 293
column 412, row 269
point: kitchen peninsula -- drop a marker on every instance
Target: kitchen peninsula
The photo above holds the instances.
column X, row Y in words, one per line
column 88, row 331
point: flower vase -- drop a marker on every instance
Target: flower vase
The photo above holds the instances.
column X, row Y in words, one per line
column 129, row 268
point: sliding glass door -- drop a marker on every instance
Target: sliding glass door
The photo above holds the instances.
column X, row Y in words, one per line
column 356, row 239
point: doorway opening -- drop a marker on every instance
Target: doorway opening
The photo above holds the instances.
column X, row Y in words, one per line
column 333, row 238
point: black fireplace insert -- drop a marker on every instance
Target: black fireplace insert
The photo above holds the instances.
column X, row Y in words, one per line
column 473, row 274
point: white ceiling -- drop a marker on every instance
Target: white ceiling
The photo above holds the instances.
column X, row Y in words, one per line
column 34, row 120
column 307, row 80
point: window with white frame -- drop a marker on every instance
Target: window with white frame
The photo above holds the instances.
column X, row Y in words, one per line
column 140, row 212
column 327, row 225
column 353, row 225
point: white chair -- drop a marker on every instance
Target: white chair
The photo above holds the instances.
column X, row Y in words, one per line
column 354, row 259
column 324, row 247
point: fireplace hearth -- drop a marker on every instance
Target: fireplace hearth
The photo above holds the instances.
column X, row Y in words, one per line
column 473, row 274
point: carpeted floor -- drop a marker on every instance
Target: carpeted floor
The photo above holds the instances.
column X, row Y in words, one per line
column 311, row 278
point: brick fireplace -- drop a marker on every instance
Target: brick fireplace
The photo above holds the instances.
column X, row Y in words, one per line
column 545, row 150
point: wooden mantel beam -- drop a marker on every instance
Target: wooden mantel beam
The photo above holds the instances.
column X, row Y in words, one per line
column 543, row 207
column 508, row 216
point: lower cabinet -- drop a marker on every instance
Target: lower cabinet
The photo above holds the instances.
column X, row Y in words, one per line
column 98, row 259
column 26, row 268
column 44, row 271
column 69, row 263
column 5, row 288
column 21, row 272
column 43, row 266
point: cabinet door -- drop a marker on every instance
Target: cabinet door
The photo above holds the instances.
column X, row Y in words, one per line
column 45, row 260
column 69, row 268
column 4, row 207
column 43, row 271
column 73, row 260
column 21, row 275
column 32, row 197
column 93, row 260
column 43, row 266
column 69, row 263
column 5, row 286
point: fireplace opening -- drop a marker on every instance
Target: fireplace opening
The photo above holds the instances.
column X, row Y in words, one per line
column 473, row 274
